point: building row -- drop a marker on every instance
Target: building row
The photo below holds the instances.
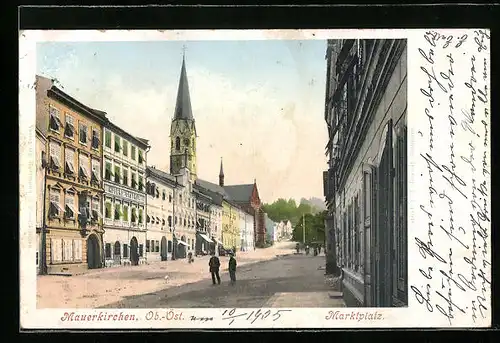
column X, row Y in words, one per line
column 365, row 185
column 99, row 203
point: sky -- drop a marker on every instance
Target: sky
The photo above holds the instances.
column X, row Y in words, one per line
column 259, row 105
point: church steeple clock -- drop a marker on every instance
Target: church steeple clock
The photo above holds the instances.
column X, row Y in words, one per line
column 183, row 130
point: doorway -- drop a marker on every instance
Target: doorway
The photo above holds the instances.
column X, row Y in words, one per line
column 163, row 249
column 93, row 252
column 134, row 254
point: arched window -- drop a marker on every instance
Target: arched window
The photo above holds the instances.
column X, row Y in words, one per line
column 117, row 248
column 177, row 143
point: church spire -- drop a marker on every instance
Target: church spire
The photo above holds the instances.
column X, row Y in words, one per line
column 221, row 174
column 183, row 104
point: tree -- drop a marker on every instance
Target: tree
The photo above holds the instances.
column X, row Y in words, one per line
column 283, row 209
column 315, row 228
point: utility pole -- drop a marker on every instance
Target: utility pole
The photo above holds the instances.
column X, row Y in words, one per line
column 304, row 229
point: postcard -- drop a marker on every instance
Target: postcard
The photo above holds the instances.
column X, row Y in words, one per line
column 255, row 179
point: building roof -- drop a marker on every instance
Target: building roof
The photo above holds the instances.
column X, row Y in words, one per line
column 141, row 142
column 240, row 193
column 161, row 175
column 212, row 187
column 183, row 104
column 216, row 197
column 76, row 105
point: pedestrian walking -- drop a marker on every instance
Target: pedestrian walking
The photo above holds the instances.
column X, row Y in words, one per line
column 319, row 249
column 214, row 265
column 232, row 269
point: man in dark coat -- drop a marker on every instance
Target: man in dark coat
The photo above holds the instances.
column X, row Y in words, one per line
column 214, row 265
column 232, row 269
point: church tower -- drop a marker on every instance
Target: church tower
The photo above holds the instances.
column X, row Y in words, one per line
column 183, row 130
column 221, row 174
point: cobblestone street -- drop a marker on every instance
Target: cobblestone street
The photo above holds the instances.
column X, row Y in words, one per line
column 273, row 277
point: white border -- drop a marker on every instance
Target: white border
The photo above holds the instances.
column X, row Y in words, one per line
column 416, row 315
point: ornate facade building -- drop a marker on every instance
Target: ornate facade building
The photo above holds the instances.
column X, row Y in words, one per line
column 365, row 185
column 124, row 175
column 72, row 233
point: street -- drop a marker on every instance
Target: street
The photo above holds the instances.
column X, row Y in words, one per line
column 272, row 277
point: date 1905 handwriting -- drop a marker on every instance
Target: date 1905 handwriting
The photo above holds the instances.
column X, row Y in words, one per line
column 251, row 316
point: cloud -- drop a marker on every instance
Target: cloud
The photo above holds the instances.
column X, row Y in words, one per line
column 275, row 138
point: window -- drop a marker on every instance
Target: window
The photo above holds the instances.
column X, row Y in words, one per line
column 141, row 183
column 69, row 160
column 177, row 143
column 117, row 143
column 69, row 210
column 108, row 174
column 170, row 221
column 55, row 209
column 367, row 196
column 192, row 244
column 163, row 195
column 357, row 238
column 140, row 215
column 163, row 221
column 117, row 174
column 133, row 180
column 141, row 250
column 69, row 129
column 170, row 198
column 82, row 136
column 67, row 250
column 125, row 212
column 118, row 212
column 54, row 120
column 125, row 250
column 147, row 245
column 107, row 209
column 125, row 176
column 55, row 154
column 134, row 215
column 157, row 193
column 96, row 209
column 95, row 139
column 125, row 148
column 56, row 249
column 96, row 172
column 77, row 250
column 132, row 151
column 117, row 250
column 107, row 250
column 157, row 246
column 140, row 157
column 84, row 165
column 169, row 245
column 107, row 139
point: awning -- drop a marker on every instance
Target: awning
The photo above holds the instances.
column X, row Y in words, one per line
column 56, row 204
column 183, row 243
column 84, row 171
column 72, row 208
column 205, row 237
column 217, row 241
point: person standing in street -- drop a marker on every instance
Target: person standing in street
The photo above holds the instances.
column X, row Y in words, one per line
column 232, row 269
column 214, row 265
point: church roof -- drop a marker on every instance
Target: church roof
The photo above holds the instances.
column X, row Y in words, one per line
column 212, row 187
column 240, row 193
column 183, row 104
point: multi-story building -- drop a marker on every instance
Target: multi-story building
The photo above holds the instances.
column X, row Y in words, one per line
column 204, row 242
column 40, row 165
column 226, row 236
column 124, row 175
column 365, row 185
column 161, row 189
column 72, row 234
column 248, row 235
column 242, row 227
